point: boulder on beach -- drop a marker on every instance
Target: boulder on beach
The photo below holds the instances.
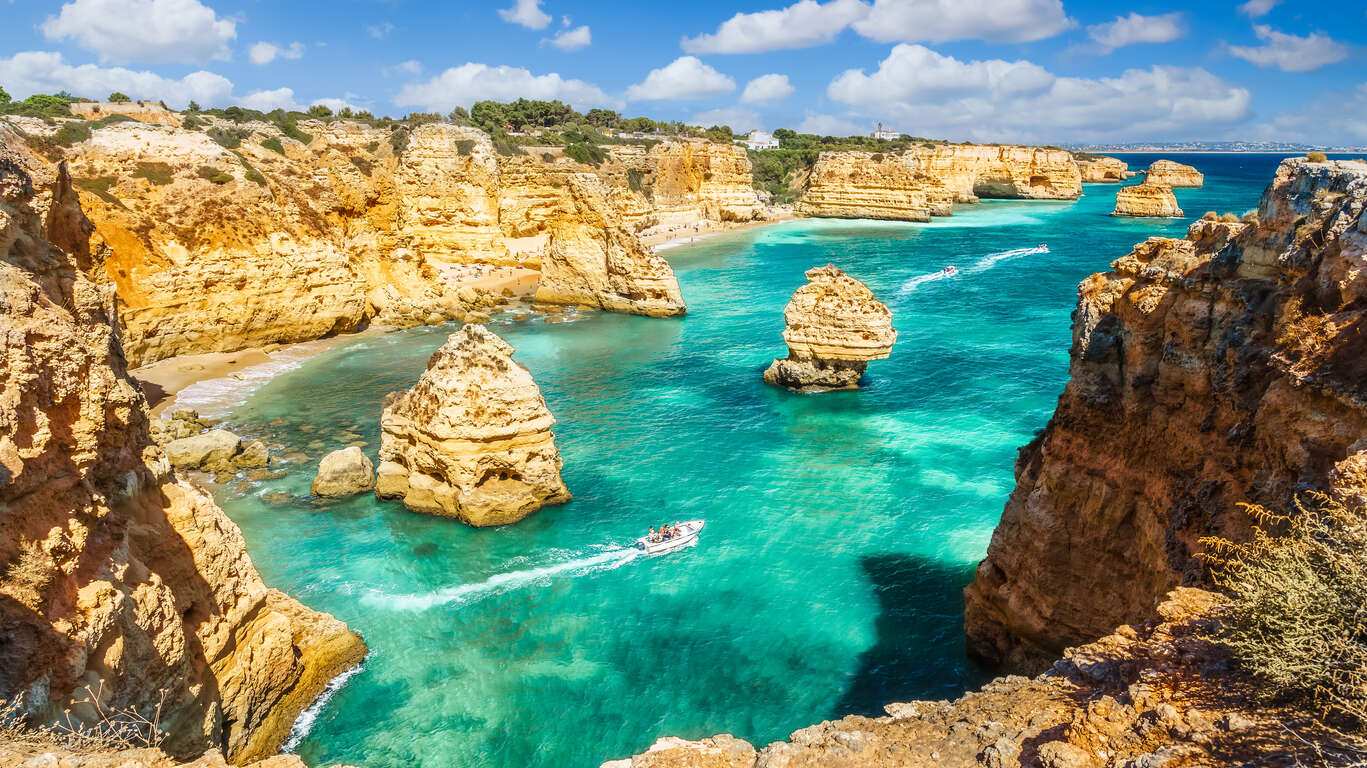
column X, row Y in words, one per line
column 212, row 451
column 834, row 327
column 344, row 473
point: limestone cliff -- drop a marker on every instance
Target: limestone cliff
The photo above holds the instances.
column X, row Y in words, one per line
column 691, row 180
column 1173, row 174
column 120, row 580
column 926, row 180
column 833, row 327
column 593, row 261
column 1098, row 169
column 1146, row 200
column 472, row 439
column 1138, row 698
column 1207, row 371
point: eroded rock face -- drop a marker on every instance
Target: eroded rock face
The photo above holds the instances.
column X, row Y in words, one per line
column 120, row 577
column 926, row 181
column 472, row 439
column 593, row 261
column 1146, row 200
column 1173, row 174
column 344, row 473
column 1099, row 169
column 1139, row 697
column 1206, row 371
column 834, row 326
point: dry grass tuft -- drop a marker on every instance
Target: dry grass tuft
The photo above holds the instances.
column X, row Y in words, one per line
column 113, row 729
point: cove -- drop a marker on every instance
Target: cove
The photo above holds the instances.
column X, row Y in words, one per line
column 840, row 527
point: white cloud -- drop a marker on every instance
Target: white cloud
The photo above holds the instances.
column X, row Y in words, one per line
column 30, row 72
column 380, row 31
column 411, row 67
column 930, row 94
column 684, row 78
column 1000, row 21
column 1290, row 53
column 1256, row 8
column 572, row 39
column 264, row 52
column 1335, row 118
column 473, row 82
column 766, row 88
column 829, row 125
column 801, row 25
column 1128, row 30
column 278, row 98
column 528, row 13
column 738, row 118
column 144, row 30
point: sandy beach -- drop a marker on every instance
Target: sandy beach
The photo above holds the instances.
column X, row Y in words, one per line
column 684, row 234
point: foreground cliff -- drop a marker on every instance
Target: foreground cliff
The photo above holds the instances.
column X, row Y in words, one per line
column 121, row 581
column 1207, row 371
column 926, row 180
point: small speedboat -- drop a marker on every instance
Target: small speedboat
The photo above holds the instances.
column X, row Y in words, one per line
column 1042, row 248
column 659, row 545
column 950, row 271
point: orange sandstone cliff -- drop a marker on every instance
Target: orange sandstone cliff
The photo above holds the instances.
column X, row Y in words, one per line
column 119, row 579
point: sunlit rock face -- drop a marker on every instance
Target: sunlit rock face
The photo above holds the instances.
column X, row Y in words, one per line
column 1221, row 368
column 1173, row 174
column 834, row 327
column 1097, row 169
column 1146, row 200
column 472, row 439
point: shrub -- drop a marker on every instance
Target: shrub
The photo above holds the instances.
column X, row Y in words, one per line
column 99, row 187
column 253, row 175
column 159, row 174
column 507, row 148
column 72, row 132
column 1210, row 216
column 877, row 157
column 118, row 98
column 398, row 140
column 1229, row 218
column 39, row 105
column 588, row 154
column 1297, row 615
column 465, row 146
column 228, row 138
column 1316, row 157
column 210, row 173
column 320, row 110
column 372, row 146
column 291, row 129
column 274, row 145
column 636, row 179
column 547, row 157
column 4, row 96
column 113, row 729
column 193, row 106
column 193, row 123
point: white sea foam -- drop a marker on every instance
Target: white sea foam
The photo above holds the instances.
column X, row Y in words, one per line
column 304, row 723
column 461, row 594
column 216, row 398
column 982, row 265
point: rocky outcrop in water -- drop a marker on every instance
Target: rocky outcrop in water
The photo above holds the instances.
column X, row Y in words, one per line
column 1098, row 169
column 834, row 326
column 925, row 181
column 472, row 439
column 344, row 473
column 1207, row 371
column 120, row 578
column 1173, row 174
column 1138, row 698
column 1146, row 200
column 593, row 261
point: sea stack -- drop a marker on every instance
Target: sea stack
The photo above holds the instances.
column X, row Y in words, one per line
column 1099, row 169
column 1146, row 200
column 834, row 328
column 1171, row 174
column 472, row 439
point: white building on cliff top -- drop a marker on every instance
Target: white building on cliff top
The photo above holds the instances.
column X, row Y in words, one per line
column 761, row 140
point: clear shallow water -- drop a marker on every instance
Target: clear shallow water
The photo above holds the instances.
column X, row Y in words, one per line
column 841, row 527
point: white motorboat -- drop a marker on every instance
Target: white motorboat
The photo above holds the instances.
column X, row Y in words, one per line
column 658, row 544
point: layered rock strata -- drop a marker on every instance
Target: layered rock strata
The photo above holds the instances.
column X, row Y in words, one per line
column 1137, row 698
column 833, row 327
column 1146, row 200
column 593, row 261
column 120, row 580
column 472, row 439
column 925, row 181
column 1173, row 174
column 1206, row 371
column 1098, row 169
column 689, row 180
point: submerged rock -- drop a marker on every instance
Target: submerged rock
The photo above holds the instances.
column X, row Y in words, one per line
column 1172, row 174
column 834, row 327
column 344, row 473
column 472, row 439
column 1146, row 200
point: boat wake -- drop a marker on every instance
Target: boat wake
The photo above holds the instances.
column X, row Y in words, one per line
column 920, row 280
column 464, row 594
column 982, row 265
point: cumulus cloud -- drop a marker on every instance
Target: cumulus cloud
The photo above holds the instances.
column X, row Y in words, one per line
column 30, row 72
column 801, row 25
column 380, row 31
column 267, row 100
column 1135, row 28
column 144, row 30
column 738, row 118
column 475, row 82
column 528, row 13
column 1256, row 8
column 1337, row 118
column 265, row 53
column 1290, row 53
column 572, row 39
column 829, row 125
column 684, row 78
column 766, row 88
column 930, row 94
column 998, row 21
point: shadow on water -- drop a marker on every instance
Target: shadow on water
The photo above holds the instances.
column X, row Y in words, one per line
column 919, row 652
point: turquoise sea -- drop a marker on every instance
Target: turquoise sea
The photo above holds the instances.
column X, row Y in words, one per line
column 841, row 528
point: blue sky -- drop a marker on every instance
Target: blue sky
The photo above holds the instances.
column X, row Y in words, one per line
column 1011, row 70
